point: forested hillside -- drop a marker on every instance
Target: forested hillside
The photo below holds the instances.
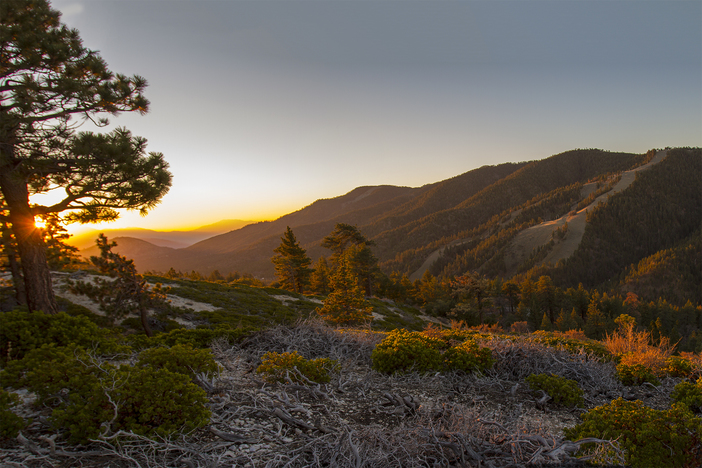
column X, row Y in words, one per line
column 478, row 221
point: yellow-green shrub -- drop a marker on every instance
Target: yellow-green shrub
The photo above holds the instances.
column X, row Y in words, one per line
column 678, row 366
column 405, row 351
column 467, row 357
column 651, row 438
column 563, row 391
column 636, row 374
column 279, row 367
column 689, row 394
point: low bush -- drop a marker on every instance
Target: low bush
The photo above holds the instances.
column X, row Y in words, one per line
column 89, row 396
column 10, row 423
column 560, row 340
column 633, row 348
column 679, row 366
column 636, row 374
column 281, row 367
column 182, row 359
column 650, row 438
column 404, row 351
column 22, row 331
column 689, row 394
column 467, row 357
column 563, row 391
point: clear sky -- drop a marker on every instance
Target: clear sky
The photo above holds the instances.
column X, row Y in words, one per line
column 262, row 107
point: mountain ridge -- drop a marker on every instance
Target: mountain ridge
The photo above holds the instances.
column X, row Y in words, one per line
column 408, row 225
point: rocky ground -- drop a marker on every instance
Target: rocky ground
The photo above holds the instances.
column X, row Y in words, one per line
column 361, row 418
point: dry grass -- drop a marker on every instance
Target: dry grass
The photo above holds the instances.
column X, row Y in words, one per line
column 634, row 347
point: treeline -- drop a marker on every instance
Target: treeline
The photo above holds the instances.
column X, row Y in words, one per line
column 538, row 304
column 214, row 277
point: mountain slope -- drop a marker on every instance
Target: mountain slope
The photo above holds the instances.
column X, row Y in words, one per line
column 470, row 221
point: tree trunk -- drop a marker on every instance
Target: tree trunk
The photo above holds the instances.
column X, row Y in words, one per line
column 17, row 280
column 30, row 244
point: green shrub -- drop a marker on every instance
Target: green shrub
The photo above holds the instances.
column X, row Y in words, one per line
column 563, row 391
column 404, row 351
column 10, row 423
column 182, row 359
column 650, row 438
column 689, row 394
column 468, row 357
column 572, row 345
column 279, row 367
column 22, row 331
column 637, row 374
column 86, row 393
column 197, row 337
column 160, row 402
column 677, row 366
column 49, row 369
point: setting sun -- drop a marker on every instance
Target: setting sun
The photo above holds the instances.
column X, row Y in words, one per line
column 41, row 224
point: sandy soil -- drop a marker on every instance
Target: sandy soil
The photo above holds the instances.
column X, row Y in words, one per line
column 61, row 289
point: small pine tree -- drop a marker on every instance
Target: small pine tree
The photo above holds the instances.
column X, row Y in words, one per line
column 319, row 280
column 128, row 291
column 546, row 323
column 292, row 263
column 345, row 305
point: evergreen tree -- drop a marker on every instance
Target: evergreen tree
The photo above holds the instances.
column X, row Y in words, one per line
column 546, row 323
column 342, row 237
column 215, row 276
column 345, row 305
column 364, row 266
column 292, row 263
column 47, row 77
column 319, row 279
column 510, row 290
column 596, row 324
column 126, row 293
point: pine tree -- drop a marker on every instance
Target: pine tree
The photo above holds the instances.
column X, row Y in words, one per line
column 126, row 293
column 292, row 263
column 345, row 305
column 319, row 280
column 47, row 77
column 546, row 323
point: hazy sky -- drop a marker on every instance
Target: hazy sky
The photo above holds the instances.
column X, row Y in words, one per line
column 261, row 107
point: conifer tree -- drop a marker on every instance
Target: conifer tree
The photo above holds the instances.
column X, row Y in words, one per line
column 126, row 293
column 319, row 279
column 546, row 323
column 345, row 305
column 48, row 78
column 342, row 237
column 292, row 263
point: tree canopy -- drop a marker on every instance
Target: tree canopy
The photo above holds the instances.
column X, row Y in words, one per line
column 49, row 84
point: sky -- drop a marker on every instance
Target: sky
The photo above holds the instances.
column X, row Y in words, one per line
column 262, row 107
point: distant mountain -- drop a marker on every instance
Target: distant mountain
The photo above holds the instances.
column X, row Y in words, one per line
column 478, row 220
column 172, row 239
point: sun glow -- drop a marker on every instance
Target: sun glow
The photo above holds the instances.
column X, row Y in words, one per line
column 41, row 224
